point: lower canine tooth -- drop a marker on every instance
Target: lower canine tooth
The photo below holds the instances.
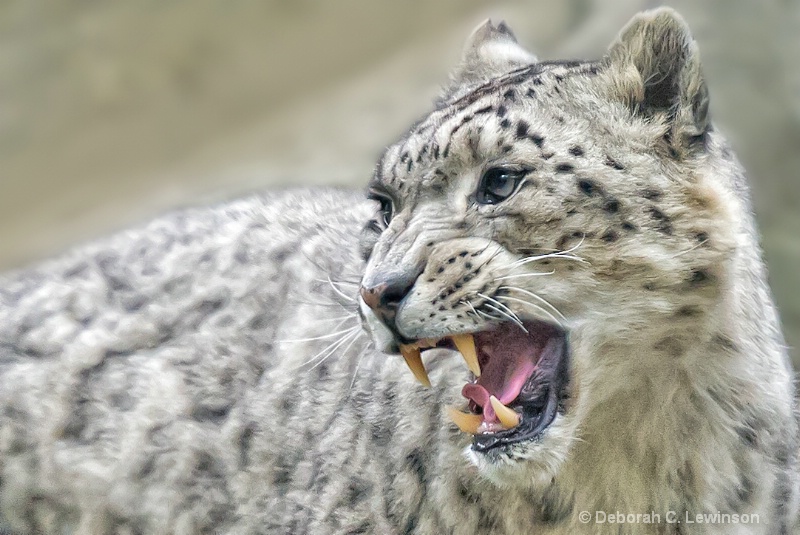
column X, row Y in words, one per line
column 508, row 417
column 468, row 423
column 414, row 361
column 465, row 343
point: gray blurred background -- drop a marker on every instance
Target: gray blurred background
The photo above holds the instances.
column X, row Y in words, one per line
column 113, row 112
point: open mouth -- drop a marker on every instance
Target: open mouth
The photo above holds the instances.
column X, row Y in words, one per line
column 519, row 380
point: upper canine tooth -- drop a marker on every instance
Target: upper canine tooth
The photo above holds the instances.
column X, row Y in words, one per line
column 508, row 417
column 465, row 343
column 414, row 360
column 468, row 423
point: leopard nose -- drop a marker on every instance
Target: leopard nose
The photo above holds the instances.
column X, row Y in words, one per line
column 385, row 297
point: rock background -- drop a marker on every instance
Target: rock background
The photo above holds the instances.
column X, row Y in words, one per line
column 112, row 112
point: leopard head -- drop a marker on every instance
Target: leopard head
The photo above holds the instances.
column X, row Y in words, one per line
column 562, row 225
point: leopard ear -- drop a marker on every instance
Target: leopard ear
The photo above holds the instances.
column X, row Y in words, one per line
column 491, row 50
column 655, row 68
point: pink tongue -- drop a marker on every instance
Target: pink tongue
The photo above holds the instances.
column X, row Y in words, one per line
column 508, row 358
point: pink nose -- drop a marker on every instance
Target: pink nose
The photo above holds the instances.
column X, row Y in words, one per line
column 384, row 298
column 372, row 296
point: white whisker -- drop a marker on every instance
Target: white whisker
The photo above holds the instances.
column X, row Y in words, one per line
column 522, row 275
column 507, row 313
column 537, row 297
column 321, row 337
column 351, row 337
column 534, row 305
column 338, row 318
column 690, row 249
column 358, row 364
column 329, row 350
column 331, row 281
column 341, row 293
column 566, row 255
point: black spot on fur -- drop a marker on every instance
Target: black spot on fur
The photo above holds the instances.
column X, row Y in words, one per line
column 76, row 270
column 688, row 312
column 630, row 227
column 576, row 150
column 564, row 168
column 609, row 236
column 663, row 222
column 747, row 435
column 744, row 492
column 652, row 194
column 537, row 140
column 522, row 129
column 553, row 510
column 531, row 93
column 510, row 95
column 505, row 123
column 589, row 187
column 611, row 205
column 211, row 413
column 725, row 342
column 699, row 277
column 259, row 322
column 611, row 162
column 501, row 111
column 670, row 345
column 415, row 462
column 537, row 81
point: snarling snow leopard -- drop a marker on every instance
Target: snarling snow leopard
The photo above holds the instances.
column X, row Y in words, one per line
column 577, row 231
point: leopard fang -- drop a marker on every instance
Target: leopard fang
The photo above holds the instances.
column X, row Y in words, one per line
column 466, row 346
column 508, row 417
column 467, row 423
column 414, row 360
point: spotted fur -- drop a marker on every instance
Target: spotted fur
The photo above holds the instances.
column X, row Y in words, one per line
column 210, row 373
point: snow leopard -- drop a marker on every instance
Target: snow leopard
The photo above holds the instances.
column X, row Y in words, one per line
column 549, row 315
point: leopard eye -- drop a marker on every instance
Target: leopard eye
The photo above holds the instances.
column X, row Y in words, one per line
column 386, row 209
column 498, row 184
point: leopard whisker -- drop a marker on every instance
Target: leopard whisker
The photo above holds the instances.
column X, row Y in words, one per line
column 331, row 348
column 472, row 308
column 537, row 297
column 507, row 312
column 358, row 360
column 347, row 307
column 522, row 275
column 690, row 249
column 534, row 306
column 341, row 293
column 321, row 337
column 343, row 282
column 565, row 254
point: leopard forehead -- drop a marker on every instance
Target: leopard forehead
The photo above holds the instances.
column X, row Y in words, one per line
column 546, row 116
